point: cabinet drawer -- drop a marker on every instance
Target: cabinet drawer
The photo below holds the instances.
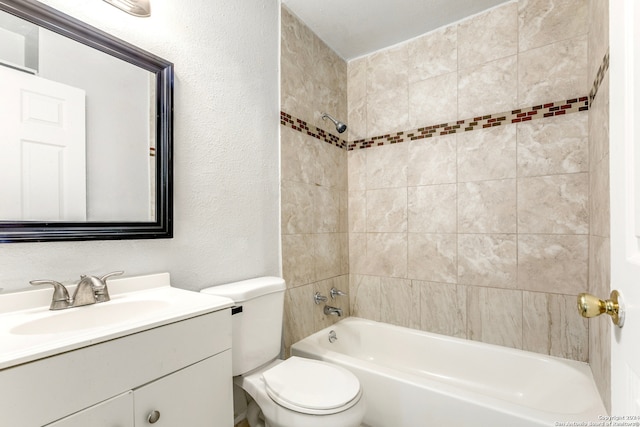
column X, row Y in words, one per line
column 46, row 390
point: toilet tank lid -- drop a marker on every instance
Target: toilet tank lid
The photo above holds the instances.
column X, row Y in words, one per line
column 247, row 289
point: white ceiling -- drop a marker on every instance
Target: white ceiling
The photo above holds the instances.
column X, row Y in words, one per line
column 353, row 28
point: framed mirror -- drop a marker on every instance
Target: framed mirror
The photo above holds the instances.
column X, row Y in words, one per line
column 85, row 131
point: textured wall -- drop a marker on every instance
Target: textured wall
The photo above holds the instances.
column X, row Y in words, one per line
column 226, row 149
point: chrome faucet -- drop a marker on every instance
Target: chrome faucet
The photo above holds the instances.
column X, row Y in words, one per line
column 90, row 290
column 333, row 311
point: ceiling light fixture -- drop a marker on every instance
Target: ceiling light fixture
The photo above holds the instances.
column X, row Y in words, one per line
column 140, row 8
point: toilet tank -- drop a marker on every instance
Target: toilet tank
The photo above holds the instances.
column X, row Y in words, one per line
column 256, row 320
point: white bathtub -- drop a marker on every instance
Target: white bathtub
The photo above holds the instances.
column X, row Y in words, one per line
column 419, row 379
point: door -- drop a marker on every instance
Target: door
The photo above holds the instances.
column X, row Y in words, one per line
column 42, row 167
column 197, row 396
column 624, row 72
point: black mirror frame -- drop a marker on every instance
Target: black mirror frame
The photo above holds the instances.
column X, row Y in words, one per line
column 162, row 227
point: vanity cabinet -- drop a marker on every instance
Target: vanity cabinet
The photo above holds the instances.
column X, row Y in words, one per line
column 194, row 396
column 182, row 370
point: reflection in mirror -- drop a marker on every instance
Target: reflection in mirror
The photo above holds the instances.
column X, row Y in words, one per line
column 59, row 134
column 86, row 131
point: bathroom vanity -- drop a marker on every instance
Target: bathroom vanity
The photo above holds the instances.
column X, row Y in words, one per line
column 153, row 355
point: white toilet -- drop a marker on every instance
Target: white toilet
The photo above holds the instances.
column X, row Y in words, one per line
column 284, row 393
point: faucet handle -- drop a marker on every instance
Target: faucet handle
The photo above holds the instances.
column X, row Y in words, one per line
column 60, row 298
column 335, row 292
column 318, row 298
column 113, row 273
column 99, row 285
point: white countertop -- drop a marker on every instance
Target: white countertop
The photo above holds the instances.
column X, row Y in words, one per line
column 30, row 331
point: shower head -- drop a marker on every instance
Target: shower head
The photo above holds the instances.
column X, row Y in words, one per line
column 340, row 127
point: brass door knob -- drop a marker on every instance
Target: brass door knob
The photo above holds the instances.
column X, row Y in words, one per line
column 591, row 306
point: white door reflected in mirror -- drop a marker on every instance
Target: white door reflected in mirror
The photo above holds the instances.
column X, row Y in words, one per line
column 43, row 167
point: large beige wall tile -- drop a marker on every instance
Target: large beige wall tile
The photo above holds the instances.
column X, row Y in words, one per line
column 330, row 69
column 553, row 263
column 488, row 36
column 357, row 169
column 298, row 260
column 495, row 316
column 487, row 154
column 432, row 209
column 443, row 308
column 432, row 161
column 298, row 153
column 599, row 202
column 553, row 326
column 298, row 314
column 331, row 166
column 487, row 206
column 599, row 124
column 553, row 72
column 386, row 166
column 598, row 34
column 387, row 210
column 328, row 254
column 386, row 254
column 387, row 69
column 433, row 54
column 296, row 207
column 343, row 239
column 357, row 120
column 357, row 79
column 599, row 265
column 488, row 260
column 387, row 111
column 357, row 253
column 326, row 210
column 433, row 100
column 399, row 302
column 296, row 56
column 364, row 296
column 488, row 88
column 542, row 22
column 554, row 145
column 554, row 204
column 357, row 211
column 432, row 257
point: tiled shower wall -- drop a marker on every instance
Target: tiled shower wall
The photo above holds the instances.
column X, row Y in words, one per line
column 314, row 180
column 599, row 243
column 487, row 234
column 481, row 234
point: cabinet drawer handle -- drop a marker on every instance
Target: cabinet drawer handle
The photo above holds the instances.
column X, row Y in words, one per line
column 153, row 417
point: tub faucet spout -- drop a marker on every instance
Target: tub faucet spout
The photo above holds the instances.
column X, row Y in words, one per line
column 333, row 311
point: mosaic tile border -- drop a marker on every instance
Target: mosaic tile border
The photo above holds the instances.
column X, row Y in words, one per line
column 481, row 122
column 304, row 127
column 602, row 71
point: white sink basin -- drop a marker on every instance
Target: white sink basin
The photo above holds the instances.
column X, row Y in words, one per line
column 30, row 331
column 90, row 316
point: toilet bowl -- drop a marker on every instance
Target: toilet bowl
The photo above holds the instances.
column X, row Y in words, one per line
column 304, row 392
column 295, row 392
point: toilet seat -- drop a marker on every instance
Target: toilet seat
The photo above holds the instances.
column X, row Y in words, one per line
column 312, row 387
